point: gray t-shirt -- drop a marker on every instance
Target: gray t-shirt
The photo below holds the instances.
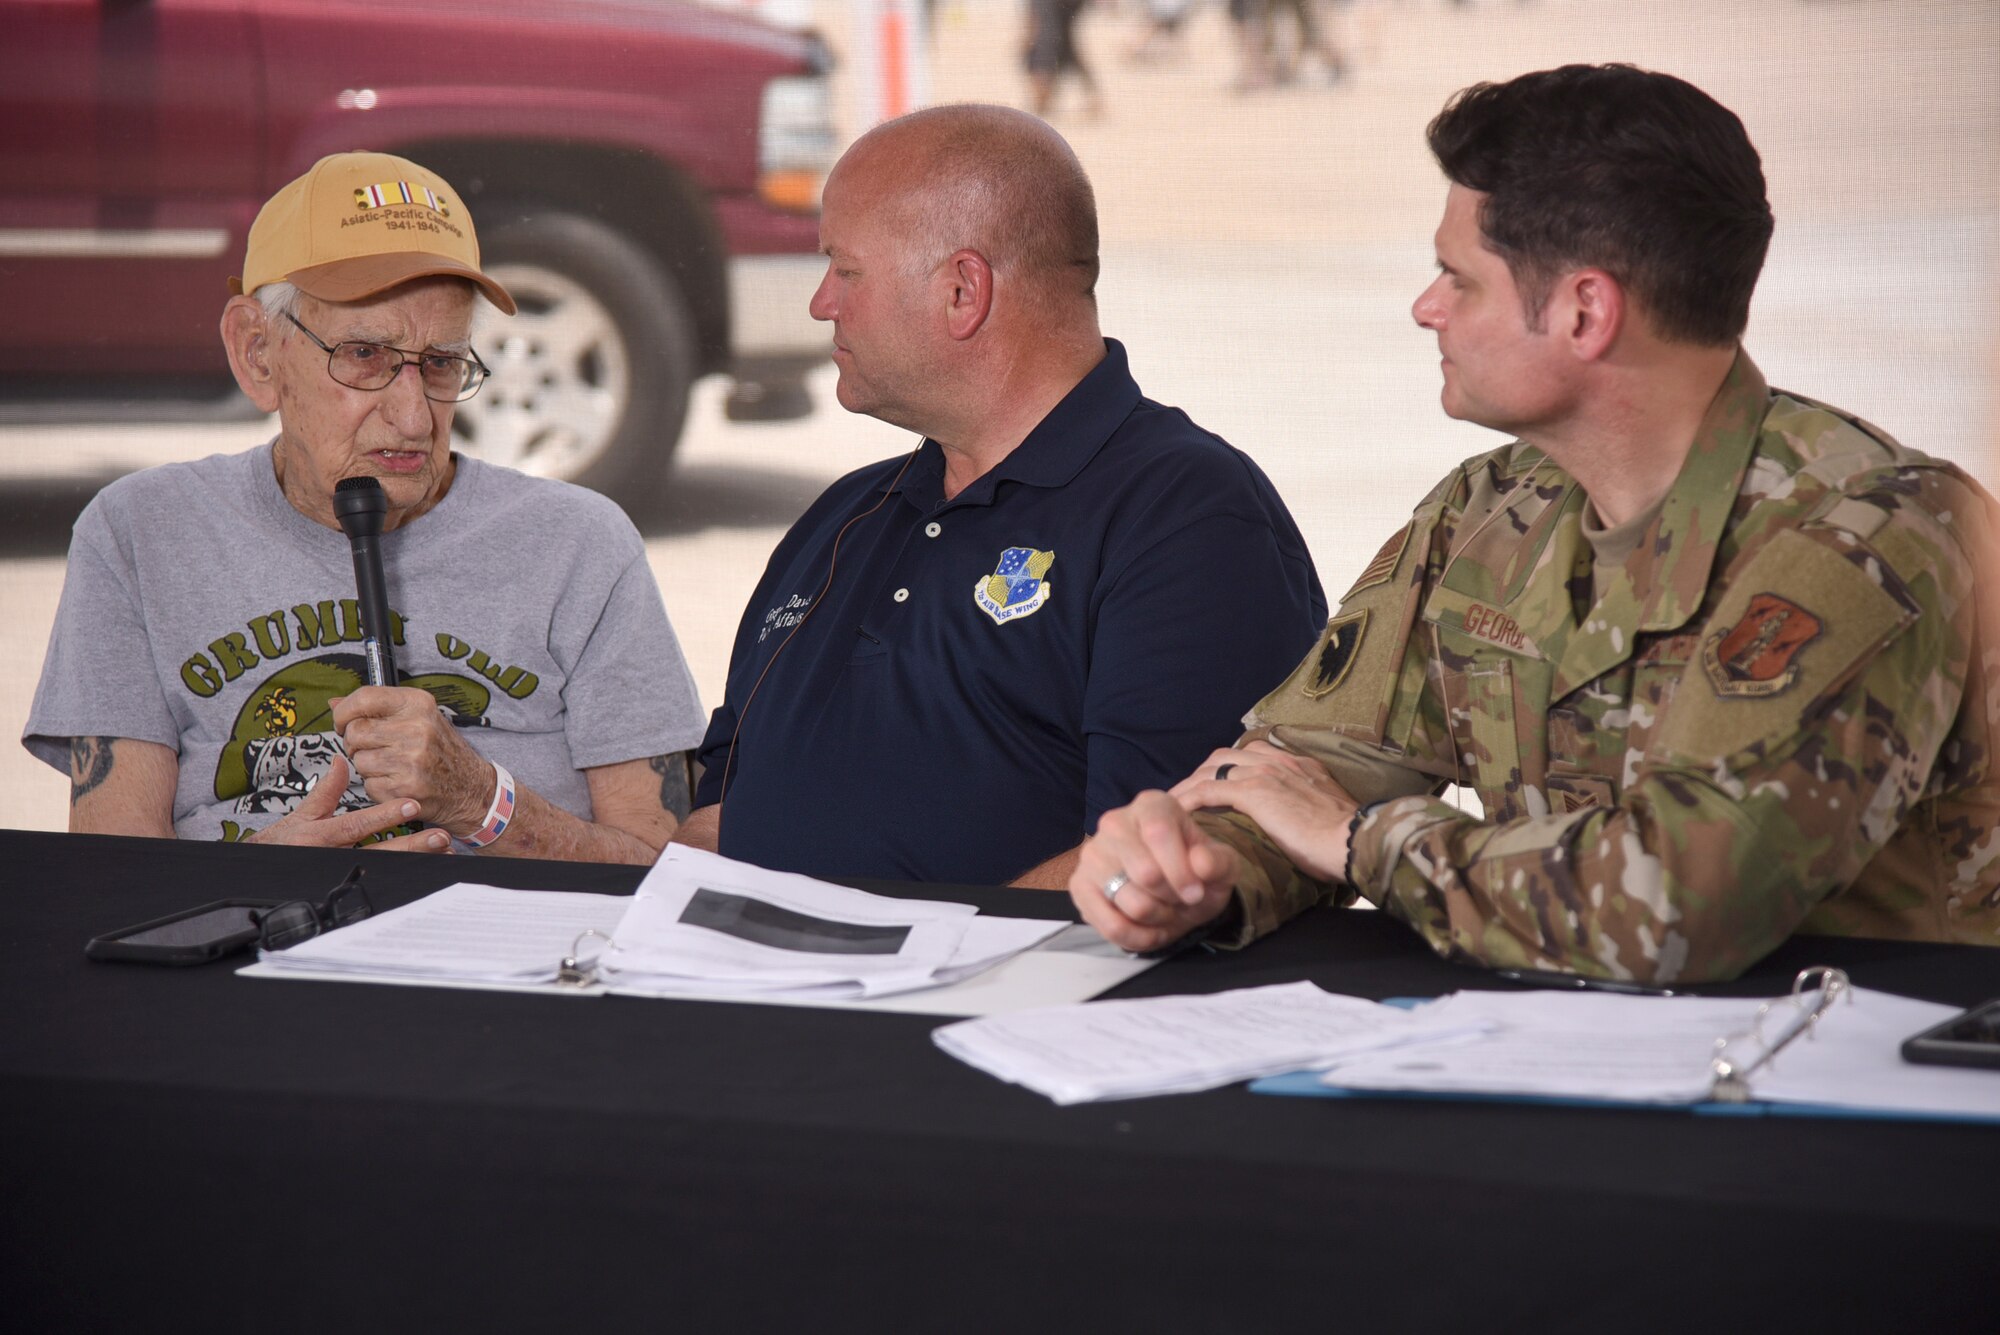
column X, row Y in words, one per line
column 201, row 611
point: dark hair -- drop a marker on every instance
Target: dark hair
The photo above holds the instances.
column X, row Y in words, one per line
column 1640, row 174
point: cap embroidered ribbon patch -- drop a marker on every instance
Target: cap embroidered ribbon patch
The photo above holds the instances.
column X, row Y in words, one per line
column 400, row 192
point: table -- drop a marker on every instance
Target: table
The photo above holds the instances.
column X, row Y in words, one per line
column 185, row 1148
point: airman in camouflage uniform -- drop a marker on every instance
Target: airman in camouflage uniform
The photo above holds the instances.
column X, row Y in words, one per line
column 1717, row 660
column 1777, row 718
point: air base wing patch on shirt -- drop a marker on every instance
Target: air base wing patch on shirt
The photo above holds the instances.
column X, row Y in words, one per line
column 1335, row 656
column 1758, row 655
column 1017, row 587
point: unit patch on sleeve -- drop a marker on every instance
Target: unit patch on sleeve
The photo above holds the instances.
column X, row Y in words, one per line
column 1758, row 656
column 1017, row 587
column 1336, row 653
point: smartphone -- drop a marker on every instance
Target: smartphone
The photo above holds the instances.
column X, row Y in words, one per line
column 1969, row 1039
column 192, row 936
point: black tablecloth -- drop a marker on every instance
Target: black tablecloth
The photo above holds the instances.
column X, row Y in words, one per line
column 186, row 1148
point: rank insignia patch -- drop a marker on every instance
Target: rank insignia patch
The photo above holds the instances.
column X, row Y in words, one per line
column 1017, row 587
column 1758, row 656
column 1336, row 653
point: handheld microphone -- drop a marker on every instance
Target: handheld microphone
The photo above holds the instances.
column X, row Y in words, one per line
column 360, row 505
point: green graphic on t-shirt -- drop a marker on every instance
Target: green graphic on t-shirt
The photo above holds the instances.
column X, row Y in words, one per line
column 267, row 638
column 283, row 739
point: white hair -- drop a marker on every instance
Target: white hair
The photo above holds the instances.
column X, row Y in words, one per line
column 278, row 299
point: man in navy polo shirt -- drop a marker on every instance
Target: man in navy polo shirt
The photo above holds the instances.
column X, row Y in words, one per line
column 1067, row 593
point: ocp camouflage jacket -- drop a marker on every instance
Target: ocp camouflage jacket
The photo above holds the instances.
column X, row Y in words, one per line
column 1780, row 718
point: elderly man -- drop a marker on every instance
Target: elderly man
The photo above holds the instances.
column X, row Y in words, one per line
column 204, row 678
column 957, row 659
column 1709, row 652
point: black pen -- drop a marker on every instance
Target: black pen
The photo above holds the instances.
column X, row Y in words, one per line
column 1577, row 982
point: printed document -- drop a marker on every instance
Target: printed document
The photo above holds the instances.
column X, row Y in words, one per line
column 1172, row 1045
column 1565, row 1044
column 468, row 933
column 1660, row 1050
column 1855, row 1060
column 705, row 923
column 704, row 926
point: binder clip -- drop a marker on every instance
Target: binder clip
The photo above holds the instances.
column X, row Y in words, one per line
column 574, row 971
column 1731, row 1077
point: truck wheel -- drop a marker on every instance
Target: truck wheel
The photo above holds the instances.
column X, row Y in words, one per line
column 590, row 378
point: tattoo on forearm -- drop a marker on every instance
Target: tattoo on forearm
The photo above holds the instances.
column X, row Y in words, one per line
column 673, row 772
column 89, row 764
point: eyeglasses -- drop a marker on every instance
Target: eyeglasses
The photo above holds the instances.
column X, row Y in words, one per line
column 288, row 924
column 445, row 378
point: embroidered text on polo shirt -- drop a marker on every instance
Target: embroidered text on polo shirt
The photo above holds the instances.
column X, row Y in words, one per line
column 785, row 615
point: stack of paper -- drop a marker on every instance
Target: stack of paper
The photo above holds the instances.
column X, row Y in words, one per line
column 1660, row 1050
column 1173, row 1045
column 465, row 933
column 1855, row 1061
column 1564, row 1044
column 699, row 926
column 703, row 924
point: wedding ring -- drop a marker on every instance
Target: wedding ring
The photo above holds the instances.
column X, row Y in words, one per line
column 1118, row 881
column 1222, row 771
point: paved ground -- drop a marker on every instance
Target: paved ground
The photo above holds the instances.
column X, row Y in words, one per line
column 1261, row 253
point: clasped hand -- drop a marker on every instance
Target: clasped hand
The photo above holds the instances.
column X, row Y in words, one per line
column 412, row 764
column 1178, row 877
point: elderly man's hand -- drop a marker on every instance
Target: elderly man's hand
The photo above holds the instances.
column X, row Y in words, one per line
column 403, row 747
column 318, row 821
column 1177, row 878
column 1294, row 801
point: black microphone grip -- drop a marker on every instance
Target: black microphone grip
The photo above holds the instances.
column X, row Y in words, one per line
column 359, row 504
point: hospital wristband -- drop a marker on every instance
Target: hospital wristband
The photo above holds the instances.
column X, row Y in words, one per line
column 501, row 814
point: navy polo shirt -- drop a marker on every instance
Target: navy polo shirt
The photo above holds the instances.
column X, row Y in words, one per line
column 982, row 677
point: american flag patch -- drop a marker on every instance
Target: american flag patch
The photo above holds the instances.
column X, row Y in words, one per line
column 1384, row 564
column 400, row 192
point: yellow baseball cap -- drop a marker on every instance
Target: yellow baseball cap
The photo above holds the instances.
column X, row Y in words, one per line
column 360, row 223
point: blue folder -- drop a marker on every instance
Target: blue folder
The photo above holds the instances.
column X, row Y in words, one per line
column 1306, row 1084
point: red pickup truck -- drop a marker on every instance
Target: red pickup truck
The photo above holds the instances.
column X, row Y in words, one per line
column 645, row 176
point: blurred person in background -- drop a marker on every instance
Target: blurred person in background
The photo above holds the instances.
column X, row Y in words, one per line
column 1164, row 21
column 1275, row 38
column 1051, row 53
column 205, row 678
column 1251, row 20
column 1310, row 38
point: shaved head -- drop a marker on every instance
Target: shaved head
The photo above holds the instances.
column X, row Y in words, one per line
column 987, row 179
column 961, row 247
